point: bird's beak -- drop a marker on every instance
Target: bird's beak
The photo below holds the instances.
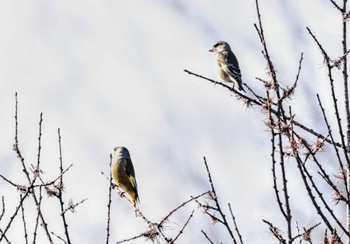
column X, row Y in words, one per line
column 211, row 50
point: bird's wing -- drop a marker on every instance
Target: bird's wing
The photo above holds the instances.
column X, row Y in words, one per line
column 234, row 72
column 229, row 64
column 129, row 169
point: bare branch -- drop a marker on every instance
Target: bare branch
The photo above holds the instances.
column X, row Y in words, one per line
column 207, row 237
column 306, row 232
column 182, row 229
column 217, row 203
column 345, row 180
column 275, row 231
column 335, row 103
column 336, row 6
column 24, row 225
column 60, row 190
column 109, row 201
column 235, row 224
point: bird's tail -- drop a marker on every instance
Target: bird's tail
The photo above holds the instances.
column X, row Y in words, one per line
column 134, row 197
column 240, row 87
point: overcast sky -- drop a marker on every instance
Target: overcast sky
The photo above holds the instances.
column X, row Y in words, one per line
column 110, row 73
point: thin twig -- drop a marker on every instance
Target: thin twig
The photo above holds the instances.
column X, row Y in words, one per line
column 260, row 104
column 36, row 170
column 335, row 103
column 271, row 126
column 336, row 6
column 235, row 224
column 180, row 206
column 217, row 203
column 307, row 231
column 59, row 237
column 30, row 181
column 109, row 201
column 12, row 218
column 347, row 104
column 275, row 231
column 60, row 190
column 306, row 175
column 335, row 148
column 207, row 237
column 37, row 216
column 182, row 229
column 3, row 207
column 72, row 206
column 24, row 225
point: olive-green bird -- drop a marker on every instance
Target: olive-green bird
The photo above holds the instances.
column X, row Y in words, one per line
column 123, row 172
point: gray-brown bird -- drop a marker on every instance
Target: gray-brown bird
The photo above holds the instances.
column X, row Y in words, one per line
column 227, row 64
column 123, row 172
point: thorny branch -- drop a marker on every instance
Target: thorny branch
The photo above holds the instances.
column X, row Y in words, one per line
column 109, row 201
column 60, row 190
column 156, row 230
column 34, row 189
column 251, row 101
column 286, row 141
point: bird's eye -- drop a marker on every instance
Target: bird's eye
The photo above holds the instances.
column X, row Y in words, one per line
column 218, row 44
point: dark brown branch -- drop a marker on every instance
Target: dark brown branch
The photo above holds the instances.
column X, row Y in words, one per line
column 13, row 215
column 132, row 238
column 289, row 91
column 10, row 182
column 307, row 231
column 320, row 194
column 37, row 216
column 24, row 225
column 5, row 238
column 155, row 230
column 336, row 6
column 260, row 32
column 16, row 145
column 3, row 207
column 180, row 206
column 215, row 198
column 52, row 182
column 59, row 237
column 335, row 148
column 306, row 175
column 260, row 104
column 109, row 201
column 235, row 224
column 347, row 105
column 275, row 231
column 288, row 215
column 335, row 103
column 71, row 206
column 270, row 125
column 60, row 190
column 207, row 237
column 36, row 170
column 251, row 100
column 182, row 229
column 206, row 207
column 31, row 182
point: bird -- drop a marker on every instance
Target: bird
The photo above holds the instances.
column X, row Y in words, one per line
column 227, row 64
column 123, row 172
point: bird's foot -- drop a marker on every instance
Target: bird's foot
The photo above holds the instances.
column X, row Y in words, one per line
column 114, row 185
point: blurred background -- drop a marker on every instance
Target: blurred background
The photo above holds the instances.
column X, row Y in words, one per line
column 110, row 73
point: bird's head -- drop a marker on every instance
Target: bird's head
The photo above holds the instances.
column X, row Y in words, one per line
column 220, row 46
column 121, row 152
